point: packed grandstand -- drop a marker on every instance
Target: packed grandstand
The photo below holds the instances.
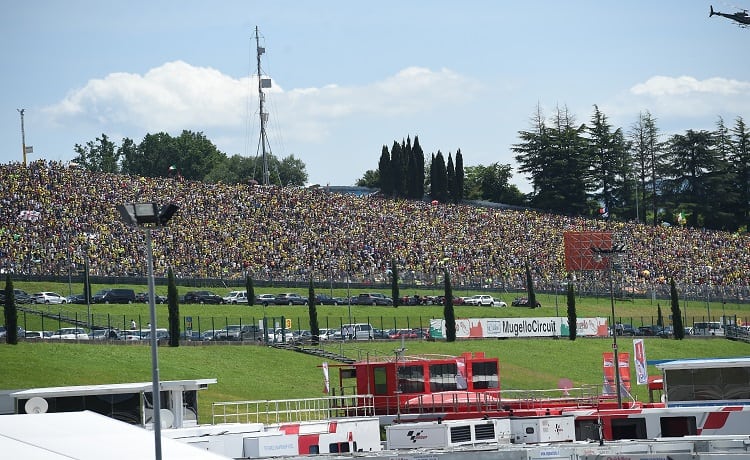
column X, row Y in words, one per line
column 293, row 234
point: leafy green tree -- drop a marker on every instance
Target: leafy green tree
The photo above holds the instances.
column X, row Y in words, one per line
column 491, row 183
column 101, row 155
column 739, row 159
column 250, row 290
column 312, row 311
column 647, row 151
column 530, row 294
column 679, row 329
column 610, row 165
column 557, row 160
column 371, row 179
column 174, row 310
column 9, row 310
column 692, row 162
column 394, row 283
column 572, row 315
column 448, row 313
column 292, row 171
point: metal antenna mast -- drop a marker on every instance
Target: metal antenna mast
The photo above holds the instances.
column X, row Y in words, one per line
column 262, row 83
column 23, row 136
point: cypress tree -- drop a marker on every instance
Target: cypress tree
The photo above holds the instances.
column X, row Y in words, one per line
column 659, row 317
column 174, row 310
column 11, row 317
column 459, row 177
column 531, row 296
column 394, row 283
column 448, row 313
column 313, row 313
column 679, row 330
column 572, row 316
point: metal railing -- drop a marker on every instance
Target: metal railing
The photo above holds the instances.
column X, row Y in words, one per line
column 292, row 410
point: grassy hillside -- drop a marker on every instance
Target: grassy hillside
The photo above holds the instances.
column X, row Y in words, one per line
column 251, row 372
column 256, row 372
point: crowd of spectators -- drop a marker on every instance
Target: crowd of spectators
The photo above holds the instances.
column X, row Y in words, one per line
column 227, row 231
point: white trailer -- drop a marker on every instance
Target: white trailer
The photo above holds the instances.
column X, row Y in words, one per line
column 449, row 433
column 533, row 430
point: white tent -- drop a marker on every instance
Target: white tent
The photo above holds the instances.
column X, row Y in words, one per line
column 85, row 436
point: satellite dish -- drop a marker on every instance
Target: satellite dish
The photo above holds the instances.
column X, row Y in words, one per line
column 36, row 405
column 167, row 418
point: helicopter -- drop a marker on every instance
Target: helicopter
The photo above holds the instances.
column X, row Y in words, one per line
column 741, row 16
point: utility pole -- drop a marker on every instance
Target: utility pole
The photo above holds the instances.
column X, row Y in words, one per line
column 23, row 136
column 262, row 83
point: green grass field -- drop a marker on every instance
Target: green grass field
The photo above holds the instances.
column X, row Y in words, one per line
column 252, row 372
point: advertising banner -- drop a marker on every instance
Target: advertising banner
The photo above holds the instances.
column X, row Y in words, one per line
column 641, row 370
column 544, row 326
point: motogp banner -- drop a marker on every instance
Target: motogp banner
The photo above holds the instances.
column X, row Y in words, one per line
column 546, row 326
column 641, row 371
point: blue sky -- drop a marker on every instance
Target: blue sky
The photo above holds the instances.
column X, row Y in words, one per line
column 351, row 76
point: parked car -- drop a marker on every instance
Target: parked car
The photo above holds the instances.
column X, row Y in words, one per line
column 523, row 302
column 203, row 297
column 625, row 329
column 77, row 298
column 484, row 300
column 237, row 332
column 357, row 331
column 104, row 334
column 22, row 297
column 143, row 297
column 302, row 336
column 20, row 332
column 324, row 299
column 36, row 335
column 70, row 333
column 236, row 297
column 373, row 298
column 326, row 334
column 402, row 333
column 651, row 331
column 115, row 295
column 290, row 298
column 208, row 335
column 666, row 332
column 265, row 299
column 49, row 297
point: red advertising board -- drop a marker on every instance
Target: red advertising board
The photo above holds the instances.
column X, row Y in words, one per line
column 578, row 253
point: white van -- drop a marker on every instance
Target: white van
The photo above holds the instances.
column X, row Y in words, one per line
column 236, row 297
column 356, row 331
column 708, row 328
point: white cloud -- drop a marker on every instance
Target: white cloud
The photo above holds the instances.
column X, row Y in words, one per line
column 660, row 86
column 179, row 96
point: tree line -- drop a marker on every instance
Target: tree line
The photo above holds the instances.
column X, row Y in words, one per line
column 699, row 178
column 401, row 173
column 190, row 156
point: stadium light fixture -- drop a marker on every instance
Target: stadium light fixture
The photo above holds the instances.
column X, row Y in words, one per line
column 609, row 253
column 146, row 216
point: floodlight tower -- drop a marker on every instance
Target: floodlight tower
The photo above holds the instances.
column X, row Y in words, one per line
column 148, row 216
